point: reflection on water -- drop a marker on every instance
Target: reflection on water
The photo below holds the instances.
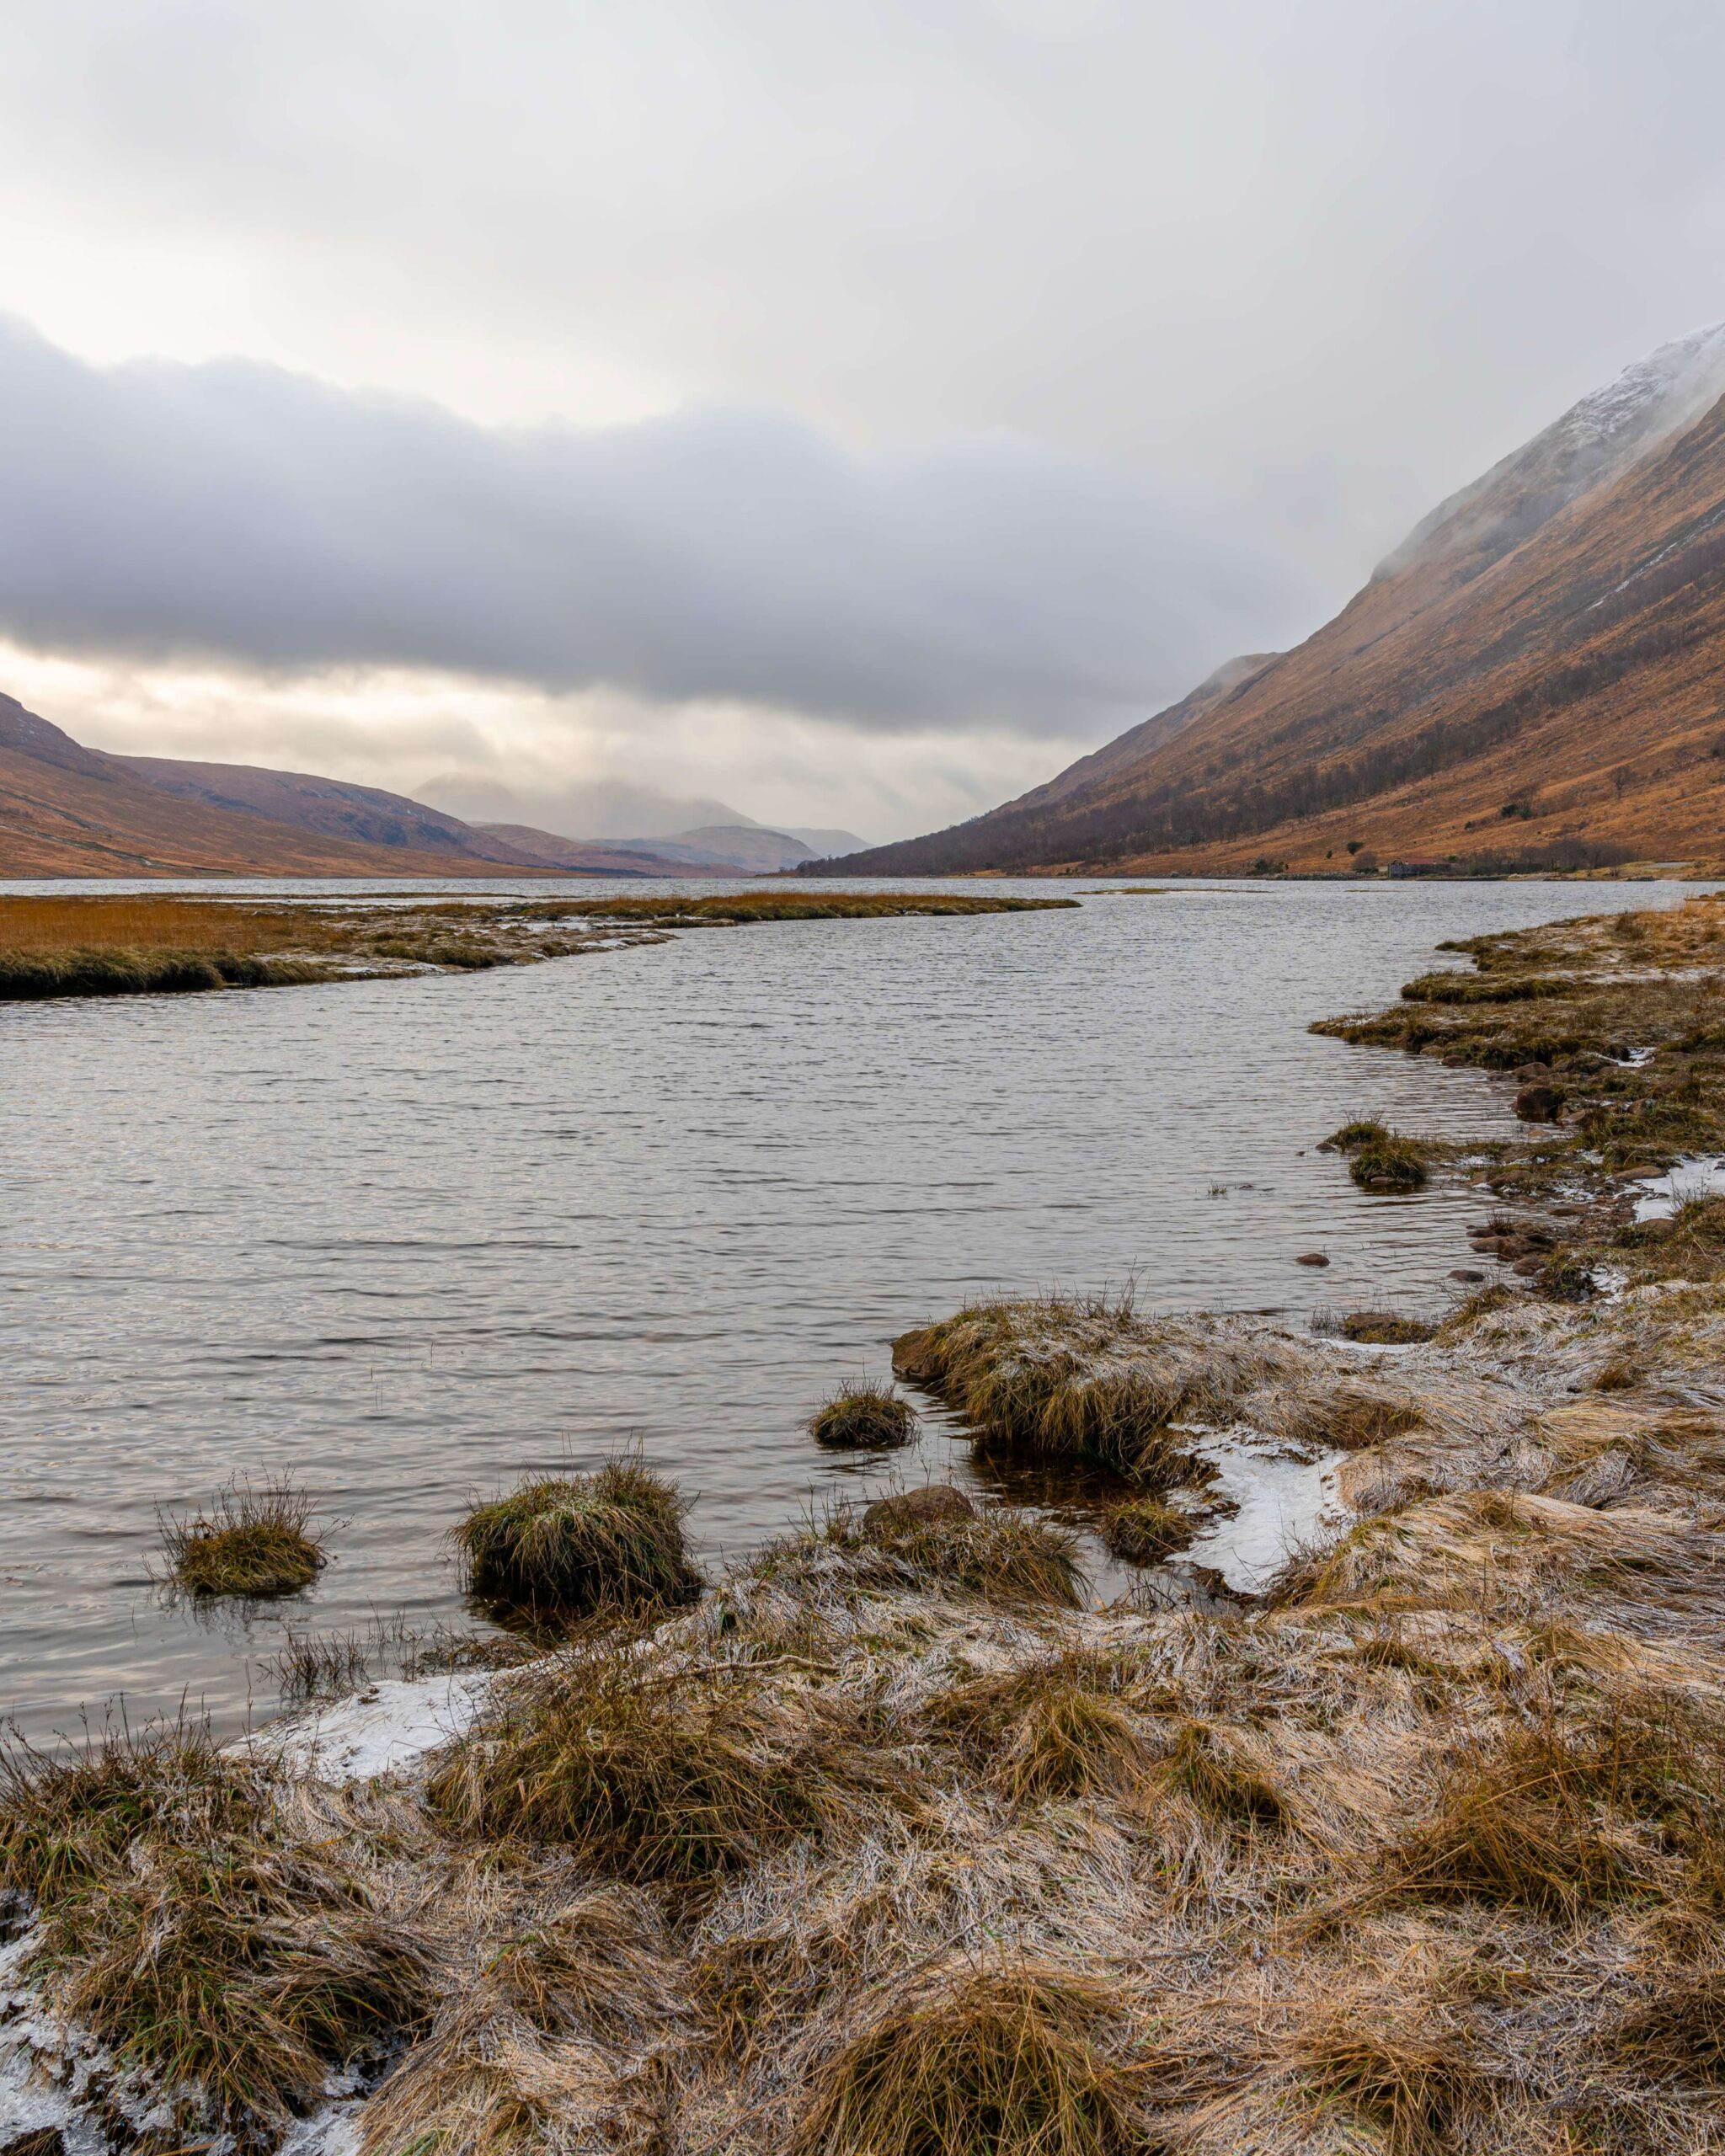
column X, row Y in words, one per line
column 407, row 1241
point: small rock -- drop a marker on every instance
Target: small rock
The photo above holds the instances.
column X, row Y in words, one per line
column 1311, row 1257
column 1466, row 1273
column 1538, row 1103
column 929, row 1507
column 1529, row 1267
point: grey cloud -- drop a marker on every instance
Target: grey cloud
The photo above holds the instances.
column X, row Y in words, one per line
column 237, row 511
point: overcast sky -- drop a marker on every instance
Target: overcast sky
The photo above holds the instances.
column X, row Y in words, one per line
column 852, row 412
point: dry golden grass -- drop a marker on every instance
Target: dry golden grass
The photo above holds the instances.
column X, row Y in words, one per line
column 976, row 2061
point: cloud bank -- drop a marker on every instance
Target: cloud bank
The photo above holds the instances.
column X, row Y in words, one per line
column 235, row 512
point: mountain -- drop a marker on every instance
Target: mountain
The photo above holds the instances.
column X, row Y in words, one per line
column 747, row 847
column 597, row 857
column 332, row 807
column 825, row 843
column 582, row 809
column 66, row 810
column 1535, row 675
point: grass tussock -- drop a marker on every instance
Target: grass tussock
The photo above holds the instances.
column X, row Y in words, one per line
column 1557, row 1818
column 228, row 1965
column 1054, row 1730
column 1396, row 2065
column 1086, row 1380
column 1384, row 1329
column 612, row 1539
column 1351, row 1415
column 975, row 2061
column 999, row 1556
column 1382, row 1159
column 649, row 1777
column 1143, row 1530
column 257, row 1539
column 861, row 1417
column 1207, row 1767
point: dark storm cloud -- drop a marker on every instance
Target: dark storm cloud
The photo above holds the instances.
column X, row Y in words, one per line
column 241, row 512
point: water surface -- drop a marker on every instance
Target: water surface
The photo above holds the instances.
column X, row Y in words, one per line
column 408, row 1240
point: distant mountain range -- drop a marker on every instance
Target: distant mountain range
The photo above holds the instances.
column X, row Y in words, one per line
column 1536, row 676
column 586, row 810
column 67, row 810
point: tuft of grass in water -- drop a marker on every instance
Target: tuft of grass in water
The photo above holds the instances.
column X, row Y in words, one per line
column 612, row 1540
column 860, row 1416
column 1053, row 1730
column 1142, row 1529
column 671, row 1778
column 1379, row 1159
column 257, row 1539
column 978, row 2062
column 1385, row 1329
column 230, row 1966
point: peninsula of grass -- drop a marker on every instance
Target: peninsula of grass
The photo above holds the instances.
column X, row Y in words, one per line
column 612, row 1541
column 173, row 944
column 257, row 1539
column 863, row 1417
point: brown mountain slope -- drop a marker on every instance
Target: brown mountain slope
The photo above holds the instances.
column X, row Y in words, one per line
column 66, row 810
column 1539, row 673
column 333, row 807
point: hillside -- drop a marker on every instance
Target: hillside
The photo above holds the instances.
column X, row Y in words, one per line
column 66, row 810
column 1536, row 676
column 333, row 807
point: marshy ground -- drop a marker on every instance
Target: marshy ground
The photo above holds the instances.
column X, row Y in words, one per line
column 136, row 945
column 891, row 1845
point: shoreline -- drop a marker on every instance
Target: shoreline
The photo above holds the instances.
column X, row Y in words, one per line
column 1422, row 1847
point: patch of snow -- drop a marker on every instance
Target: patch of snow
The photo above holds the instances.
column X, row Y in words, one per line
column 1283, row 1498
column 378, row 1731
column 1634, row 1060
column 1701, row 1176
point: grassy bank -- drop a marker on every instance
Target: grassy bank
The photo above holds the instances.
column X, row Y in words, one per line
column 127, row 945
column 892, row 1844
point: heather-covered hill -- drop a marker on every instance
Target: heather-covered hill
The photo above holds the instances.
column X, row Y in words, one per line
column 1538, row 672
